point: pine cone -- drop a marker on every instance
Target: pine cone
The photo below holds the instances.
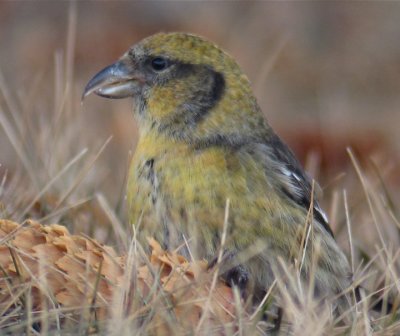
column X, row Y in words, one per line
column 45, row 267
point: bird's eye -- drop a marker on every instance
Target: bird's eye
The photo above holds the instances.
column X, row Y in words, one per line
column 159, row 63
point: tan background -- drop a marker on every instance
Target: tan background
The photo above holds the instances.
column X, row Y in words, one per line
column 327, row 75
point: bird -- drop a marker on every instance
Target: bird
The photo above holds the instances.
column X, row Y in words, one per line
column 207, row 163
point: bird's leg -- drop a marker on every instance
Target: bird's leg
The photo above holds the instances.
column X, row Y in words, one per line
column 277, row 321
column 235, row 275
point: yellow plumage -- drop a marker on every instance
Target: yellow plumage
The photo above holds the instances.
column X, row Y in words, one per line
column 203, row 140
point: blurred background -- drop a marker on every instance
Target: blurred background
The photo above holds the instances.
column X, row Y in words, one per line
column 327, row 76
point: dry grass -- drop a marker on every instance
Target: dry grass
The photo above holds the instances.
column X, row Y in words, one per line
column 56, row 182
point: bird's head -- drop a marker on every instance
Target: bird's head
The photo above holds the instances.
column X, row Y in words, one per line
column 183, row 85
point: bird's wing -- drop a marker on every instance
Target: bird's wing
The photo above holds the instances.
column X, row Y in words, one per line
column 295, row 183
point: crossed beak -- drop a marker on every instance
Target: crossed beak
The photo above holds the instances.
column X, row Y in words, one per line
column 118, row 80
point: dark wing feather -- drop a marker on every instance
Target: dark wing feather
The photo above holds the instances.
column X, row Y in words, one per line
column 299, row 187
